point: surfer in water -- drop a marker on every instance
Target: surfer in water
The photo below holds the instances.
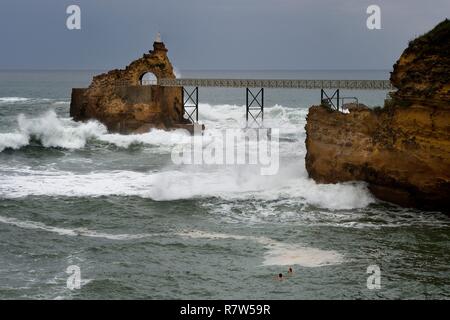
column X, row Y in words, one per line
column 290, row 271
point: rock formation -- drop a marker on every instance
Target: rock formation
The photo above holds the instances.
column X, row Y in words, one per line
column 403, row 149
column 120, row 101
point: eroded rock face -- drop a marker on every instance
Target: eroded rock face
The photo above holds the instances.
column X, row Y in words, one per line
column 118, row 99
column 402, row 150
column 422, row 72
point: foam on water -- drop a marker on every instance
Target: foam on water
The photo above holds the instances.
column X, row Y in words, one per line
column 13, row 141
column 291, row 254
column 71, row 232
column 154, row 137
column 226, row 183
column 54, row 132
column 12, row 99
column 176, row 182
column 61, row 103
column 51, row 131
column 278, row 253
column 18, row 101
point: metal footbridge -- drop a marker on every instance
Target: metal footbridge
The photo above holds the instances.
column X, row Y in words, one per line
column 279, row 83
column 255, row 91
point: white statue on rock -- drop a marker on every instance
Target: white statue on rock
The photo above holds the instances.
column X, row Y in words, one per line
column 158, row 37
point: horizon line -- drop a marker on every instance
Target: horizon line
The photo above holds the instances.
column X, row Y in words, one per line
column 198, row 70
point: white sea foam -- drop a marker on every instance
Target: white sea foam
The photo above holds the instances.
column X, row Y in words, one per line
column 71, row 232
column 278, row 253
column 51, row 131
column 154, row 137
column 23, row 100
column 13, row 141
column 288, row 254
column 13, row 99
column 176, row 182
column 54, row 132
column 61, row 103
column 226, row 183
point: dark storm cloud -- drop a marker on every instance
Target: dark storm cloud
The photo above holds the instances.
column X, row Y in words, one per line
column 213, row 34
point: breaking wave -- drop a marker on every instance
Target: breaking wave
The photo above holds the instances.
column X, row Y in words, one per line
column 54, row 132
column 13, row 99
column 13, row 141
column 174, row 182
column 227, row 183
column 50, row 131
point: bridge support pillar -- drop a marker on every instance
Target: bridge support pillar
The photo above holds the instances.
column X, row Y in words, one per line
column 190, row 104
column 254, row 107
column 327, row 100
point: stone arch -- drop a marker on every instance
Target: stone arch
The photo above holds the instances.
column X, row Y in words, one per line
column 156, row 62
column 148, row 78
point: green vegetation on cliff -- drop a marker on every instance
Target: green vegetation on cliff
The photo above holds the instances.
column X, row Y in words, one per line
column 423, row 71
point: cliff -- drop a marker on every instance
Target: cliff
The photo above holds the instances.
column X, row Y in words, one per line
column 422, row 72
column 402, row 150
column 120, row 101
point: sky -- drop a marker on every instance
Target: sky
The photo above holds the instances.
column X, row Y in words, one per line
column 213, row 34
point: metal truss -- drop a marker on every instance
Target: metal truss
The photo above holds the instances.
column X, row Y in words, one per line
column 190, row 104
column 328, row 101
column 254, row 107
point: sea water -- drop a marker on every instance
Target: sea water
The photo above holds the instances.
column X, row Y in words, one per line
column 137, row 225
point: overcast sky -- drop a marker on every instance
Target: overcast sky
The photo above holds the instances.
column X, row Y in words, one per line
column 213, row 34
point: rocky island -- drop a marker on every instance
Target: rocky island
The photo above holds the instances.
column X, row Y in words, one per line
column 403, row 149
column 120, row 100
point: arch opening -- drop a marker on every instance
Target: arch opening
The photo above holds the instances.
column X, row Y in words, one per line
column 147, row 79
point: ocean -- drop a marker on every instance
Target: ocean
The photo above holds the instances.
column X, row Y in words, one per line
column 136, row 225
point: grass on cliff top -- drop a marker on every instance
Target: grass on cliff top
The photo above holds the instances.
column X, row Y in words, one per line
column 435, row 41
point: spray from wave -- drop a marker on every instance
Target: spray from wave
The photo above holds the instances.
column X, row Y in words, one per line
column 56, row 132
column 173, row 182
column 52, row 131
column 13, row 141
column 176, row 184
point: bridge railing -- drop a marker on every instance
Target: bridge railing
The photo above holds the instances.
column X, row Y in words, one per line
column 149, row 82
column 281, row 83
column 354, row 99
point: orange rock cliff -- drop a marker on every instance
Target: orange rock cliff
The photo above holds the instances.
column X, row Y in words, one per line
column 403, row 149
column 120, row 101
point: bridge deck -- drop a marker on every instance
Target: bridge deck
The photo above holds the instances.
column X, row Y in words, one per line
column 284, row 83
